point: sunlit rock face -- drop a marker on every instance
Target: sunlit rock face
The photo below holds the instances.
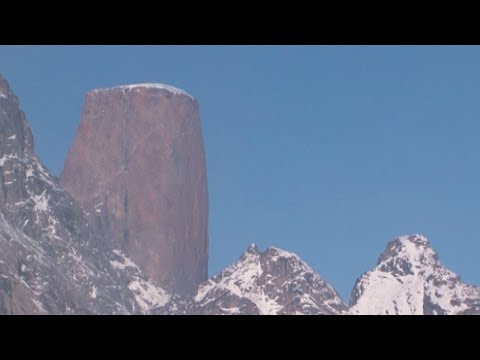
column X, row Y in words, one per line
column 137, row 168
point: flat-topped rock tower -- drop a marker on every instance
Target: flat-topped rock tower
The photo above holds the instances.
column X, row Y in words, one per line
column 137, row 167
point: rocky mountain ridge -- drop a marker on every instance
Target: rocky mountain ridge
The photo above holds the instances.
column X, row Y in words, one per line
column 409, row 279
column 53, row 259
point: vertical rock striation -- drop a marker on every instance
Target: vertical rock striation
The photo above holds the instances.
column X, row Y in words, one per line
column 137, row 167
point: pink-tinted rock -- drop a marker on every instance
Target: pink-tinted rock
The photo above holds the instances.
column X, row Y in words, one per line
column 137, row 167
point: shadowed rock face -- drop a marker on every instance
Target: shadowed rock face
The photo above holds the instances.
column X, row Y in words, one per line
column 137, row 167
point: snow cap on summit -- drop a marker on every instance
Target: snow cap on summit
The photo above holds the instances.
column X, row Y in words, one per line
column 137, row 87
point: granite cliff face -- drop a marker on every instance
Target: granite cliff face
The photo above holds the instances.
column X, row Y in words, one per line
column 137, row 168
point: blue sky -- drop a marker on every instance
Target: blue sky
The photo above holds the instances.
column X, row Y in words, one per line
column 327, row 151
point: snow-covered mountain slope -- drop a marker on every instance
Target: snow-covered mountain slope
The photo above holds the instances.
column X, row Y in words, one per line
column 268, row 283
column 53, row 262
column 50, row 262
column 409, row 279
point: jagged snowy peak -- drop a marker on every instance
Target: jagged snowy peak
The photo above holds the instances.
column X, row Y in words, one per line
column 409, row 279
column 267, row 283
column 50, row 262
